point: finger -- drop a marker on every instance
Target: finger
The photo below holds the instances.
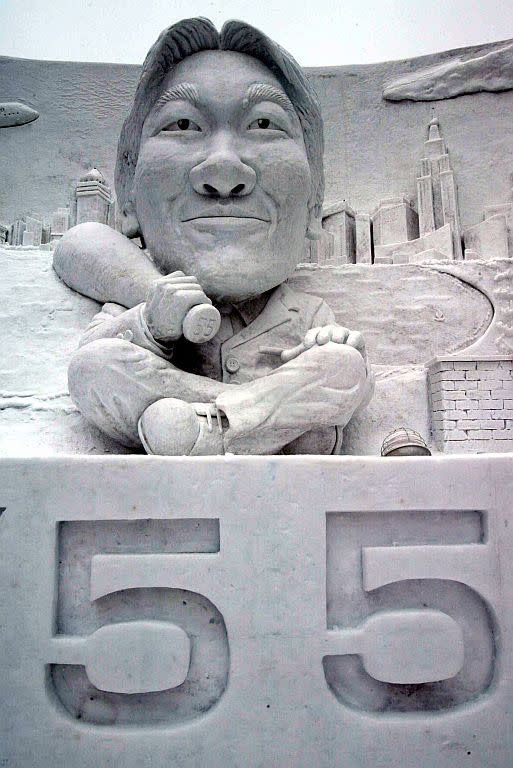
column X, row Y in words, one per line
column 202, row 297
column 355, row 339
column 290, row 354
column 165, row 278
column 311, row 337
column 176, row 287
column 169, row 295
column 182, row 279
column 184, row 300
column 174, row 278
column 340, row 335
column 325, row 335
column 161, row 285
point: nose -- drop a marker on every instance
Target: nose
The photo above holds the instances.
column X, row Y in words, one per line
column 223, row 174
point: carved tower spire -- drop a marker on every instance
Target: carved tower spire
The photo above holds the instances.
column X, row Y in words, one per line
column 436, row 189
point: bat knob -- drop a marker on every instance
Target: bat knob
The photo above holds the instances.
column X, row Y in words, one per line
column 201, row 323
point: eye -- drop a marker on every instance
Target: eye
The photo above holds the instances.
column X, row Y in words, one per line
column 183, row 124
column 264, row 123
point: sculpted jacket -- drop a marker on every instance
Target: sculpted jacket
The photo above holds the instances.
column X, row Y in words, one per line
column 239, row 354
column 283, row 322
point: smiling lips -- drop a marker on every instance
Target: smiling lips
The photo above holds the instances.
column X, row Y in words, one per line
column 226, row 214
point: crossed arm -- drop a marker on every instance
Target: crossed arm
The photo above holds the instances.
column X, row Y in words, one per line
column 142, row 305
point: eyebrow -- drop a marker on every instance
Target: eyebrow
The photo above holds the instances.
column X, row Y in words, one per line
column 256, row 93
column 265, row 92
column 180, row 92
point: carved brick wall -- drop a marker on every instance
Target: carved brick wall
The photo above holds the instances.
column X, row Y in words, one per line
column 472, row 404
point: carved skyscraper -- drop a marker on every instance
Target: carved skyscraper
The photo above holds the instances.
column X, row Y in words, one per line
column 94, row 201
column 436, row 188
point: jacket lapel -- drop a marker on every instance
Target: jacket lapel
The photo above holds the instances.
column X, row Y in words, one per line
column 276, row 312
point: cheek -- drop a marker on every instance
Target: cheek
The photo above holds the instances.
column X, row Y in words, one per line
column 162, row 171
column 285, row 177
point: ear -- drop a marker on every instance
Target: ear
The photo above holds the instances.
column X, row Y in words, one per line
column 314, row 228
column 129, row 221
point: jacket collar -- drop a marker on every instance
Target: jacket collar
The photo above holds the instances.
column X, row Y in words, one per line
column 277, row 311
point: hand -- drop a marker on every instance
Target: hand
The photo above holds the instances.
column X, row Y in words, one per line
column 322, row 335
column 169, row 300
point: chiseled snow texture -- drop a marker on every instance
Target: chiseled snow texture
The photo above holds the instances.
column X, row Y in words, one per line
column 42, row 321
column 45, row 319
column 483, row 71
column 372, row 145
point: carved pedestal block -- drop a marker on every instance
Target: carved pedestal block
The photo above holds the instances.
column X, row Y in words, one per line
column 288, row 612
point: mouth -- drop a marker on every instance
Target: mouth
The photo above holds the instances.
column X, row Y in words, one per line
column 226, row 218
column 222, row 224
column 226, row 213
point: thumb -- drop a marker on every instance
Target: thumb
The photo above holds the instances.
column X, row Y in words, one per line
column 290, row 354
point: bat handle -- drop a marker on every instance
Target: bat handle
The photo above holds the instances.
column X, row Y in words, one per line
column 201, row 323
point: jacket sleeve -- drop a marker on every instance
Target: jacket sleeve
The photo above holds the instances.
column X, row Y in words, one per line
column 116, row 322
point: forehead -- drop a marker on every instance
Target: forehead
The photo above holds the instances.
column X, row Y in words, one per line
column 221, row 73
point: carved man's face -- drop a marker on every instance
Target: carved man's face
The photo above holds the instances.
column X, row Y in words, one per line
column 222, row 180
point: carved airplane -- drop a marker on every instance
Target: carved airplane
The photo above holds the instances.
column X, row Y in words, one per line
column 14, row 113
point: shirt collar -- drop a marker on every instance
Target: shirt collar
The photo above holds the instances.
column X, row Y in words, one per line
column 248, row 310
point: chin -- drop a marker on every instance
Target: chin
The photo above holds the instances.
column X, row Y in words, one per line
column 228, row 272
column 235, row 284
column 233, row 291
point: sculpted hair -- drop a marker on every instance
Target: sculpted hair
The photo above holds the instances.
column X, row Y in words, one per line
column 192, row 36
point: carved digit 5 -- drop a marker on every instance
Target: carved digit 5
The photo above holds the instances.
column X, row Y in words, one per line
column 435, row 653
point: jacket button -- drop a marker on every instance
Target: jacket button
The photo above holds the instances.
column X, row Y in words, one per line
column 232, row 365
